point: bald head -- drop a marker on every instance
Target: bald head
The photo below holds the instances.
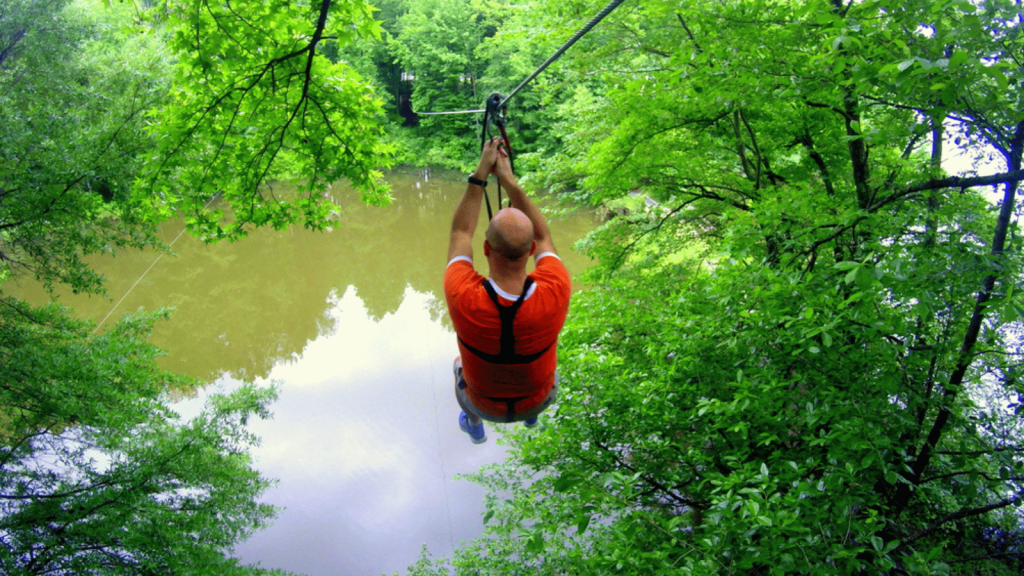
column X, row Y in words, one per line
column 510, row 233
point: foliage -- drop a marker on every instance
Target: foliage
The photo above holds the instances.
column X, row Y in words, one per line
column 72, row 102
column 436, row 41
column 96, row 474
column 448, row 55
column 254, row 99
column 522, row 42
column 435, row 44
column 804, row 356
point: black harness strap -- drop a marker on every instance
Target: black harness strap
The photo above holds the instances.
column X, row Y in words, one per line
column 508, row 314
column 507, row 353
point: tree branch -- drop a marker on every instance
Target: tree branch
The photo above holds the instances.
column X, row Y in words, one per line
column 964, row 513
column 964, row 357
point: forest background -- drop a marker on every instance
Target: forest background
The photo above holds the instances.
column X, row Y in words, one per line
column 802, row 356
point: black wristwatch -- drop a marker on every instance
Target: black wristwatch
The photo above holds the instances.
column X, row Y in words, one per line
column 474, row 180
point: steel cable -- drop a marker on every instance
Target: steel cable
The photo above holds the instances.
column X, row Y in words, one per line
column 579, row 34
column 558, row 53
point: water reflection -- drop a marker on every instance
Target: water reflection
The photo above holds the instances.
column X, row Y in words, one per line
column 352, row 323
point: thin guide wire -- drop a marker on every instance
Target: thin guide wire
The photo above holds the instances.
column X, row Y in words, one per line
column 452, row 112
column 157, row 259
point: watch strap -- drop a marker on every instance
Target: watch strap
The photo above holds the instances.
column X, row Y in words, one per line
column 474, row 180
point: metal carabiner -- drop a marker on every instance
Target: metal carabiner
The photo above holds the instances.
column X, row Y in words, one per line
column 496, row 114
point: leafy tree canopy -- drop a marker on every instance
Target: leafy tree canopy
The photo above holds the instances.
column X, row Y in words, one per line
column 73, row 94
column 254, row 98
column 97, row 474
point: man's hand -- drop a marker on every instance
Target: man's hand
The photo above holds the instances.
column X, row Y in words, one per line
column 468, row 210
column 488, row 158
column 503, row 168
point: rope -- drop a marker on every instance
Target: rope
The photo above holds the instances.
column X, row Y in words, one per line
column 579, row 34
column 483, row 142
column 132, row 288
column 495, row 114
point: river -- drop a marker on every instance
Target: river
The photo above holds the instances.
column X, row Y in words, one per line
column 352, row 324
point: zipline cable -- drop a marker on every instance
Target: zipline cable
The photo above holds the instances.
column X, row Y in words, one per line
column 496, row 103
column 558, row 53
column 579, row 34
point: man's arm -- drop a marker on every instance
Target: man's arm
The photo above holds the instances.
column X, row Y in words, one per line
column 468, row 211
column 541, row 233
column 464, row 223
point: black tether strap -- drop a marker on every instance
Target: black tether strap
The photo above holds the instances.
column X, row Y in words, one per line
column 508, row 314
column 493, row 114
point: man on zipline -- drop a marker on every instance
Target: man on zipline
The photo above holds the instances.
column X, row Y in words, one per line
column 507, row 325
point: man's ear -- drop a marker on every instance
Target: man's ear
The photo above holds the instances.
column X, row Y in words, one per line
column 487, row 249
column 533, row 247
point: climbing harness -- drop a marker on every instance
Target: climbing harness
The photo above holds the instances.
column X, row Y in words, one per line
column 507, row 351
column 496, row 105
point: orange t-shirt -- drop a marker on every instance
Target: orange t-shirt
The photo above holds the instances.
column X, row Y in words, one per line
column 535, row 330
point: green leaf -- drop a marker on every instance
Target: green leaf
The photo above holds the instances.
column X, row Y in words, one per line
column 876, row 543
column 565, row 483
column 582, row 524
column 851, row 276
column 535, row 542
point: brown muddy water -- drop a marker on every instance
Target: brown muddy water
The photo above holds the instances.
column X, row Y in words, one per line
column 352, row 324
